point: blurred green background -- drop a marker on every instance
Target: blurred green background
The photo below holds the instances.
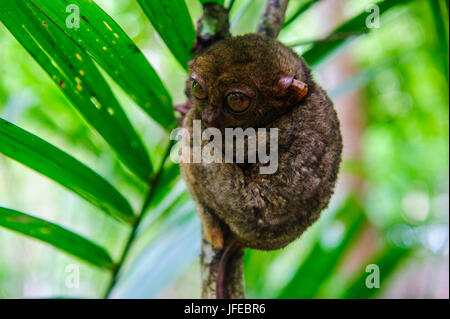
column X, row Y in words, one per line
column 391, row 206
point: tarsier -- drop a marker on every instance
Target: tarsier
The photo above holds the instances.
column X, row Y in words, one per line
column 255, row 81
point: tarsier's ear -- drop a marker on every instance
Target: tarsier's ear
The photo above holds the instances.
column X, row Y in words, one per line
column 294, row 90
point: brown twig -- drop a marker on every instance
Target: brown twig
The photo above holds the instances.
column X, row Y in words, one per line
column 273, row 18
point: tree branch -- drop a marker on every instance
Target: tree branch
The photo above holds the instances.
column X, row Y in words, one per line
column 273, row 18
column 213, row 26
column 213, row 275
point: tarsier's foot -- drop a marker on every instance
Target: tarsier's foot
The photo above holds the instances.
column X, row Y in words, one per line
column 213, row 230
column 215, row 236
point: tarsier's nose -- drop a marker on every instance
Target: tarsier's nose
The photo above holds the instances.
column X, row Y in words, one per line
column 210, row 116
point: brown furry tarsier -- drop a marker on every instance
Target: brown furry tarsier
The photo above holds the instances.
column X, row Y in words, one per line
column 255, row 81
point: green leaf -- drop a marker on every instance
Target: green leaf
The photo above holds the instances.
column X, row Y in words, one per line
column 165, row 203
column 354, row 26
column 365, row 76
column 56, row 236
column 221, row 2
column 231, row 5
column 165, row 258
column 121, row 59
column 258, row 267
column 236, row 17
column 165, row 183
column 321, row 261
column 300, row 10
column 48, row 160
column 164, row 213
column 441, row 34
column 387, row 261
column 172, row 21
column 74, row 72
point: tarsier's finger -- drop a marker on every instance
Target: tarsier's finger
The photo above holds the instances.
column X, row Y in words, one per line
column 182, row 108
column 295, row 89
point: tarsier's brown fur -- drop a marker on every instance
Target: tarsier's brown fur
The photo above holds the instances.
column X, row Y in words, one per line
column 263, row 211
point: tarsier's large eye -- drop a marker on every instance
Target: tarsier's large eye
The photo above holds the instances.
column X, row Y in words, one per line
column 238, row 102
column 198, row 90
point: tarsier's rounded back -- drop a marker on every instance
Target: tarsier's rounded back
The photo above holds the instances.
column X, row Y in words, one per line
column 253, row 82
